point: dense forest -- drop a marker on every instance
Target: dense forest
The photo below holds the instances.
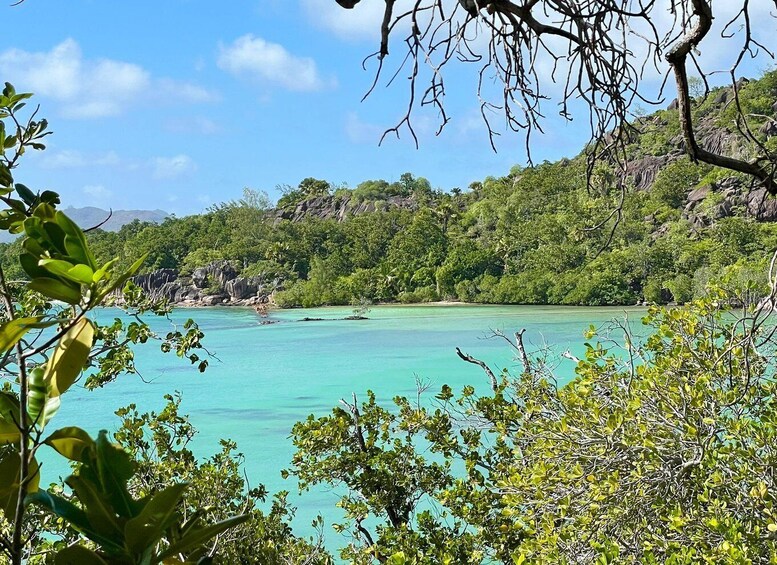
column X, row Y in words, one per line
column 558, row 233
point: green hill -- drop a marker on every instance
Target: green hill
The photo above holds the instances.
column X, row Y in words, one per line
column 551, row 234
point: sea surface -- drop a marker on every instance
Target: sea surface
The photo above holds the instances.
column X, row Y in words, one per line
column 264, row 378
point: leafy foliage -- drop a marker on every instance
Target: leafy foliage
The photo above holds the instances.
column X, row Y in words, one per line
column 656, row 452
column 47, row 341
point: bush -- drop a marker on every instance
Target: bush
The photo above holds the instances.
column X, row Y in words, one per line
column 666, row 461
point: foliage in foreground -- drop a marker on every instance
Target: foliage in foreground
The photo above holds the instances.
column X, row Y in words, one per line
column 659, row 452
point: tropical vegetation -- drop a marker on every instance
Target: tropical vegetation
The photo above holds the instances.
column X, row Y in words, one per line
column 660, row 450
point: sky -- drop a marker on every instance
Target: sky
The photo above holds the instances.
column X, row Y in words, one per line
column 180, row 104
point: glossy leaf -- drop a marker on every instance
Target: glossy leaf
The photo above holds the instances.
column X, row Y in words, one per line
column 70, row 442
column 11, row 332
column 121, row 279
column 74, row 515
column 80, row 274
column 75, row 241
column 56, row 290
column 149, row 526
column 6, row 179
column 69, row 357
column 114, row 470
column 10, row 470
column 200, row 536
column 102, row 518
column 25, row 193
column 9, row 419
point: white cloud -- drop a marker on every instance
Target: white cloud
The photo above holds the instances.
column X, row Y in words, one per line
column 167, row 168
column 89, row 88
column 98, row 195
column 186, row 91
column 96, row 190
column 270, row 62
column 70, row 159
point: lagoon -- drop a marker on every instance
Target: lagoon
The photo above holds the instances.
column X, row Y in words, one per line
column 264, row 378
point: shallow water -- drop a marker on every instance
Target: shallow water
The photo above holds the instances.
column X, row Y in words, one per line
column 267, row 377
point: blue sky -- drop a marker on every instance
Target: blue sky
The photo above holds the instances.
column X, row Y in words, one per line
column 180, row 104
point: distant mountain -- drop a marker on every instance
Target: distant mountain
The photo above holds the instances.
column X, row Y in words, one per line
column 90, row 216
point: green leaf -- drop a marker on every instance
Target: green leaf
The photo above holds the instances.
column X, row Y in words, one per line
column 11, row 332
column 54, row 233
column 9, row 418
column 69, row 357
column 10, row 467
column 29, row 264
column 198, row 537
column 75, row 241
column 10, row 471
column 80, row 274
column 33, row 227
column 148, row 528
column 114, row 470
column 56, row 289
column 102, row 517
column 6, row 179
column 72, row 514
column 47, row 213
column 70, row 442
column 34, row 248
column 78, row 555
column 24, row 193
column 9, row 433
column 397, row 559
column 124, row 277
column 103, row 271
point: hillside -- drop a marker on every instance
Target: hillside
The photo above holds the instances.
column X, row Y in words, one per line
column 551, row 234
column 90, row 216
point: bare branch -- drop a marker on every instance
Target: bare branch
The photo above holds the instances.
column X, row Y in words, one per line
column 482, row 365
column 595, row 53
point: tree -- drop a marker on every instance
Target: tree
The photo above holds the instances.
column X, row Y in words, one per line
column 659, row 450
column 601, row 48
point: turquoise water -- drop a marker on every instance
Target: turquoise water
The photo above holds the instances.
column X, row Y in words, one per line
column 267, row 377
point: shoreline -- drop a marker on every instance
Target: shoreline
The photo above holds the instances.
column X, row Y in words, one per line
column 436, row 304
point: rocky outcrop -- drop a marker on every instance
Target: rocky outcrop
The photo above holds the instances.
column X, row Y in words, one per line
column 156, row 280
column 762, row 206
column 643, row 171
column 215, row 284
column 216, row 273
column 339, row 208
column 728, row 197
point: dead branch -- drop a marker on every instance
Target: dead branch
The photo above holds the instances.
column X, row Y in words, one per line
column 482, row 365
